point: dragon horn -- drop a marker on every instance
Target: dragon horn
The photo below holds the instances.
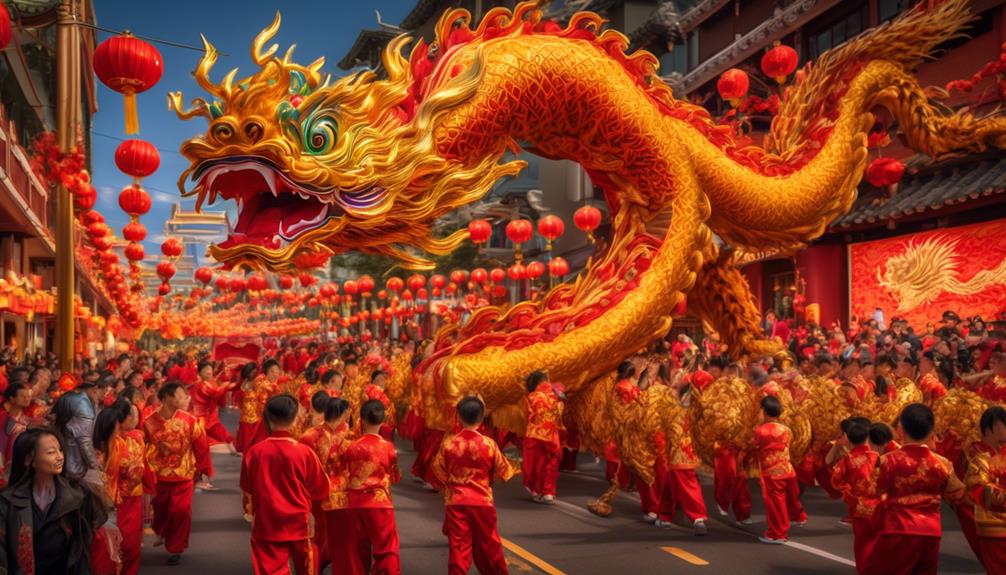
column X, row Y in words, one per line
column 264, row 36
column 199, row 107
column 202, row 73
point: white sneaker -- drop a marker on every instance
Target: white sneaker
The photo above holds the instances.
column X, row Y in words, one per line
column 650, row 517
column 536, row 498
column 548, row 499
column 747, row 521
column 721, row 510
column 700, row 527
column 770, row 541
column 663, row 524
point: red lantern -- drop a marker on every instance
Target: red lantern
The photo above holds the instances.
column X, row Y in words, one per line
column 459, row 276
column 172, row 247
column 237, row 285
column 93, row 217
column 204, row 275
column 129, row 66
column 137, row 158
column 97, row 230
column 382, row 295
column 517, row 272
column 587, row 218
column 395, row 284
column 479, row 275
column 257, row 283
column 134, row 200
column 885, row 172
column 407, row 295
column 551, row 228
column 134, row 232
column 733, row 86
column 327, row 290
column 535, row 270
column 285, row 282
column 558, row 267
column 779, row 62
column 350, row 287
column 166, row 271
column 222, row 283
column 416, row 281
column 497, row 275
column 438, row 281
column 306, row 279
column 519, row 231
column 85, row 198
column 479, row 231
column 421, row 293
column 366, row 284
column 6, row 31
column 134, row 251
column 164, row 289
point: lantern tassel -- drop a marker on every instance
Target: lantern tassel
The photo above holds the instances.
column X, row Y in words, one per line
column 132, row 121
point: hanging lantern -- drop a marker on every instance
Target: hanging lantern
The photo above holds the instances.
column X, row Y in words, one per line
column 779, row 62
column 85, row 198
column 558, row 267
column 395, row 284
column 459, row 276
column 586, row 219
column 172, row 247
column 285, row 282
column 517, row 272
column 237, row 285
column 421, row 293
column 129, row 66
column 733, row 86
column 519, row 231
column 93, row 217
column 438, row 281
column 97, row 230
column 306, row 279
column 382, row 295
column 222, row 283
column 257, row 283
column 6, row 30
column 204, row 275
column 416, row 281
column 479, row 231
column 350, row 287
column 101, row 243
column 885, row 172
column 134, row 200
column 164, row 289
column 479, row 275
column 551, row 228
column 134, row 251
column 137, row 158
column 366, row 284
column 328, row 290
column 134, row 232
column 407, row 295
column 497, row 275
column 166, row 270
column 535, row 270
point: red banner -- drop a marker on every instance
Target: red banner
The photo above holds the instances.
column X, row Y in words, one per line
column 919, row 276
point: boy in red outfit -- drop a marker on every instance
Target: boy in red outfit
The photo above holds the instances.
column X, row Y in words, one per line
column 986, row 482
column 282, row 478
column 372, row 466
column 542, row 449
column 854, row 475
column 778, row 478
column 912, row 483
column 466, row 466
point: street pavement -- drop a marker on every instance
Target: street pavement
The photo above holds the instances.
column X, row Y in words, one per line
column 564, row 538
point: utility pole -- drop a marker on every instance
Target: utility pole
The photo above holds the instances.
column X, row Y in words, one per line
column 68, row 81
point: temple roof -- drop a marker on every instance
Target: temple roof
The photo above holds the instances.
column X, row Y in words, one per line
column 367, row 42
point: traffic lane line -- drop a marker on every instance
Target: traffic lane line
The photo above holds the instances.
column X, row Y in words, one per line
column 685, row 555
column 531, row 557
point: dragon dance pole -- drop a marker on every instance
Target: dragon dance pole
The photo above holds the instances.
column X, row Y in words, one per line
column 68, row 99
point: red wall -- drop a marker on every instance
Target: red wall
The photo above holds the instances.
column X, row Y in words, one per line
column 826, row 270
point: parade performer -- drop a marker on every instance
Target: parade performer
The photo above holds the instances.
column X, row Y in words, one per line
column 541, row 446
column 912, row 483
column 986, row 482
column 466, row 466
column 371, row 464
column 282, row 478
column 677, row 481
column 207, row 395
column 339, row 525
column 255, row 395
column 854, row 475
column 177, row 454
column 375, row 390
column 122, row 447
column 995, row 388
column 628, row 392
column 778, row 478
column 929, row 382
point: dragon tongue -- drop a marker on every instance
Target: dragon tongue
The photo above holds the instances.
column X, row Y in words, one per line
column 306, row 215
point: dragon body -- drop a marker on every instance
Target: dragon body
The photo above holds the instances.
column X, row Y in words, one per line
column 369, row 164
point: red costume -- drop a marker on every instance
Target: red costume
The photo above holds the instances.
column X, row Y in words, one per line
column 541, row 446
column 912, row 483
column 932, row 388
column 177, row 453
column 282, row 478
column 994, row 390
column 778, row 479
column 679, row 484
column 372, row 467
column 329, row 442
column 986, row 482
column 251, row 430
column 855, row 475
column 466, row 466
column 206, row 399
column 730, row 484
column 375, row 392
column 124, row 470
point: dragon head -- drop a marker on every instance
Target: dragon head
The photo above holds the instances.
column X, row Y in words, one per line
column 319, row 167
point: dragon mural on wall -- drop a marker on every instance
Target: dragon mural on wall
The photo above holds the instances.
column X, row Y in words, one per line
column 319, row 167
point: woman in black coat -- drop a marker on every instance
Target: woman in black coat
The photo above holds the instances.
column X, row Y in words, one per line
column 47, row 521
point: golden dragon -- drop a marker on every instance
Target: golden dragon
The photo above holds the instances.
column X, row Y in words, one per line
column 362, row 163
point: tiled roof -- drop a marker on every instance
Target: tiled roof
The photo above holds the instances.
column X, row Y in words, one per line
column 362, row 48
column 928, row 192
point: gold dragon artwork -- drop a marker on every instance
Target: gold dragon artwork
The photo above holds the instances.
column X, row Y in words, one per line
column 362, row 163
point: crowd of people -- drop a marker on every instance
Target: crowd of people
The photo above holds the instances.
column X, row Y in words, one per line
column 93, row 457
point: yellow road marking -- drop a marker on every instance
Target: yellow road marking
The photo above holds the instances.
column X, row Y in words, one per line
column 531, row 557
column 685, row 556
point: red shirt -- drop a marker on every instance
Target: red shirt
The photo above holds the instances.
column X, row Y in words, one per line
column 329, row 444
column 177, row 449
column 466, row 466
column 932, row 387
column 914, row 481
column 994, row 390
column 855, row 476
column 771, row 440
column 282, row 478
column 372, row 466
column 544, row 415
column 206, row 397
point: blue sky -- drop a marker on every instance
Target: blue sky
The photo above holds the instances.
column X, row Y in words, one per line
column 319, row 28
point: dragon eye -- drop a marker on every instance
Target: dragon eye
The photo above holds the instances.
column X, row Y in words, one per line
column 319, row 134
